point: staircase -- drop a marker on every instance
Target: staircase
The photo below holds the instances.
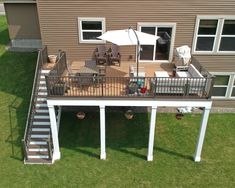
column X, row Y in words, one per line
column 37, row 142
column 38, row 150
column 37, row 139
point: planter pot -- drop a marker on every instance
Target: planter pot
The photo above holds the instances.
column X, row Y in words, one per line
column 143, row 90
column 179, row 116
column 52, row 58
column 129, row 114
column 81, row 115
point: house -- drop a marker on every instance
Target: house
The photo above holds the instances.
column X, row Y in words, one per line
column 73, row 26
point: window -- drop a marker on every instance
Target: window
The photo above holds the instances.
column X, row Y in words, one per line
column 233, row 89
column 224, row 85
column 214, row 35
column 90, row 29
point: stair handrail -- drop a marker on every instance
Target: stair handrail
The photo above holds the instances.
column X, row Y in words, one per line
column 41, row 59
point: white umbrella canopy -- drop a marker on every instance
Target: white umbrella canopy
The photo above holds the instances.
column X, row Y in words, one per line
column 128, row 37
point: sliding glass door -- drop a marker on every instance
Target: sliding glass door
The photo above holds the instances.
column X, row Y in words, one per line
column 163, row 48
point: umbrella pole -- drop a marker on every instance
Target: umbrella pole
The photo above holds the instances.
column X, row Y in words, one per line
column 138, row 52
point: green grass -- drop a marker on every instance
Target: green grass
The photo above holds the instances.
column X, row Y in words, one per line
column 127, row 140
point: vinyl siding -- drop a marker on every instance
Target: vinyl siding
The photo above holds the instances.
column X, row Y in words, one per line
column 223, row 103
column 58, row 20
column 59, row 28
column 22, row 20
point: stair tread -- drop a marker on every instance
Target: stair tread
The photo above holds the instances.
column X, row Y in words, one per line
column 41, row 114
column 37, row 146
column 38, row 153
column 41, row 102
column 40, row 133
column 40, row 95
column 41, row 120
column 39, row 161
column 41, row 126
column 41, row 107
column 43, row 90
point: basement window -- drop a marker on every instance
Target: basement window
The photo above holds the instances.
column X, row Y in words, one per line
column 90, row 28
column 224, row 85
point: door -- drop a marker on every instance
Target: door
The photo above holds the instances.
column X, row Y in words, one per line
column 163, row 48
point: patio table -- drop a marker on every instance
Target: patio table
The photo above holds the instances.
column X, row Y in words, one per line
column 88, row 70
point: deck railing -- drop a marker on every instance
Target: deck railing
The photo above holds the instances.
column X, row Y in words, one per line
column 127, row 87
column 60, row 66
column 200, row 68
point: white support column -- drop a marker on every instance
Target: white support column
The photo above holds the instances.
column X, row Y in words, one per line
column 58, row 118
column 102, row 133
column 54, row 133
column 151, row 133
column 201, row 136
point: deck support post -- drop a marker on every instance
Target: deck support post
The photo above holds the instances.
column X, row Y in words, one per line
column 54, row 133
column 102, row 133
column 201, row 136
column 151, row 133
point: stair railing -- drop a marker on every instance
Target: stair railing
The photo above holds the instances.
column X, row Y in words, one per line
column 41, row 59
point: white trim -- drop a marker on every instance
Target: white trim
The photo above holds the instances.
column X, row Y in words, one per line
column 80, row 31
column 156, row 25
column 129, row 102
column 217, row 37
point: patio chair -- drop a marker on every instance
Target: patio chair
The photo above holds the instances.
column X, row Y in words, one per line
column 101, row 55
column 114, row 55
column 85, row 80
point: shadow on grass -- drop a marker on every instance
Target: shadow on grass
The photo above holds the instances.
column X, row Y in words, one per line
column 121, row 134
column 88, row 153
column 16, row 75
column 126, row 136
column 15, row 142
column 4, row 39
column 173, row 153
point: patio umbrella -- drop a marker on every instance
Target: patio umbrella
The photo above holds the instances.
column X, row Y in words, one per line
column 129, row 37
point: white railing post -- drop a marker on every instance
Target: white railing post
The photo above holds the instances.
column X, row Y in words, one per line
column 151, row 133
column 201, row 136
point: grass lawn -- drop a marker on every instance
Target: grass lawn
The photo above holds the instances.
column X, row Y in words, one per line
column 127, row 140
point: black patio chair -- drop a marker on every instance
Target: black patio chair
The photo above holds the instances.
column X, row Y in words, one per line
column 101, row 55
column 115, row 55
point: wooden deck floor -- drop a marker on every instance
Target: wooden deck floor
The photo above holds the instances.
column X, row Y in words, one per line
column 123, row 70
